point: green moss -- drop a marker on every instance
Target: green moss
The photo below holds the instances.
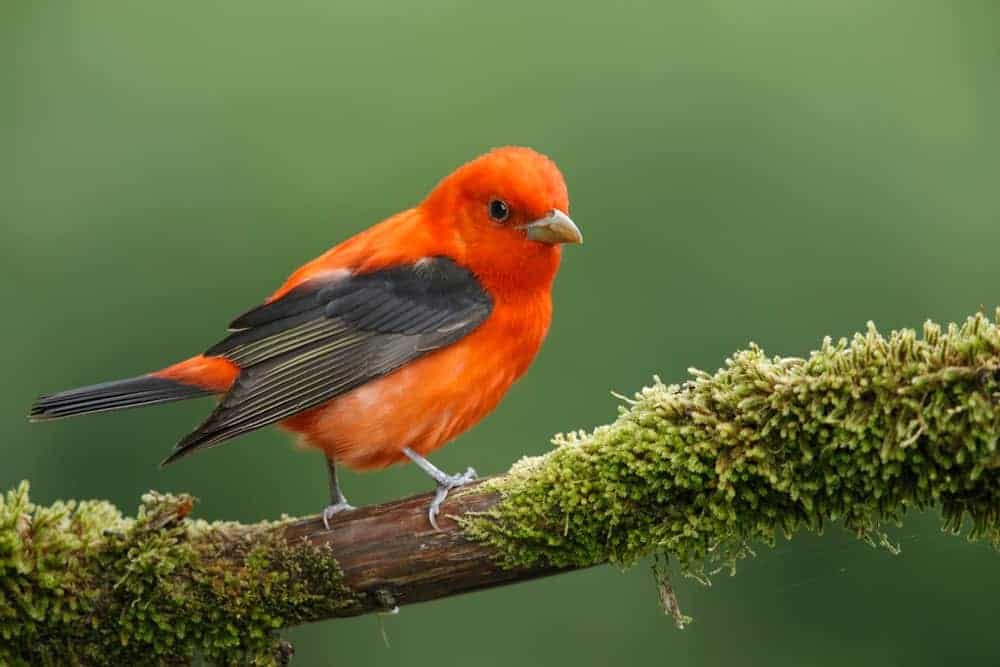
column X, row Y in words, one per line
column 176, row 588
column 860, row 432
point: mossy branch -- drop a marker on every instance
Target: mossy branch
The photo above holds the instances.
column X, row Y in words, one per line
column 860, row 432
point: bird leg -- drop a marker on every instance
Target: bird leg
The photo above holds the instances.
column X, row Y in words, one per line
column 338, row 503
column 445, row 482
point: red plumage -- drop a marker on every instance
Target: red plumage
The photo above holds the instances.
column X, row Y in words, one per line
column 488, row 239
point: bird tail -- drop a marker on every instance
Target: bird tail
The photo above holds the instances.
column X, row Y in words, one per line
column 115, row 395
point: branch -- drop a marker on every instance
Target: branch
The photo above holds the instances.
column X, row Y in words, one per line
column 860, row 432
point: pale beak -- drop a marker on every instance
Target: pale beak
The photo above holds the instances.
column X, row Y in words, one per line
column 554, row 228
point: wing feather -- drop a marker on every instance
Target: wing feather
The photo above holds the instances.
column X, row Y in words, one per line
column 324, row 338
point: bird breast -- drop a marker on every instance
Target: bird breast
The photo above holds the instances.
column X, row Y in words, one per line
column 433, row 399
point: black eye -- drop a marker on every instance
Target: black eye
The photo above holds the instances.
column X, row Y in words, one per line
column 499, row 210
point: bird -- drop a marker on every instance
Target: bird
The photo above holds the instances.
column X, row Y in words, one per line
column 392, row 343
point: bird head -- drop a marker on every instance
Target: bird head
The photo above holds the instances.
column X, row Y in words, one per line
column 509, row 210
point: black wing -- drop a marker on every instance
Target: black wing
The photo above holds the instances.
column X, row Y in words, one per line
column 326, row 337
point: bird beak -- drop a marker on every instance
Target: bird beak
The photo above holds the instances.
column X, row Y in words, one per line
column 554, row 228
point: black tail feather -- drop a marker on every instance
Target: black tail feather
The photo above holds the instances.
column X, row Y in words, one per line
column 115, row 395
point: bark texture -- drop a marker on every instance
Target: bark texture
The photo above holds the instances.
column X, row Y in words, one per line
column 861, row 432
column 390, row 555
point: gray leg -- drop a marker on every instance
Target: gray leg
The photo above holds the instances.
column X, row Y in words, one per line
column 445, row 482
column 338, row 503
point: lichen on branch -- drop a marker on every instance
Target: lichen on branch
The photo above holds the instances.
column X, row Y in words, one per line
column 861, row 432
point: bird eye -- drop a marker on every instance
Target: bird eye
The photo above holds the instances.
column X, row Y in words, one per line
column 499, row 210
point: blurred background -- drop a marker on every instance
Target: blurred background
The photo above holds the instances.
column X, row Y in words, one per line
column 767, row 171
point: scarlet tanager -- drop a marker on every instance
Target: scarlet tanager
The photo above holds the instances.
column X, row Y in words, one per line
column 390, row 344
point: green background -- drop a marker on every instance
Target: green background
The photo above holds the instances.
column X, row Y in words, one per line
column 766, row 171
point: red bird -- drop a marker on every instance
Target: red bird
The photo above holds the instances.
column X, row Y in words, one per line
column 392, row 343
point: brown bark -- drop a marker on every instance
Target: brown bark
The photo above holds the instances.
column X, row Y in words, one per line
column 391, row 555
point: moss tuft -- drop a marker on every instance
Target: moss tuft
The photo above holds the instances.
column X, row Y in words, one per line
column 177, row 588
column 860, row 432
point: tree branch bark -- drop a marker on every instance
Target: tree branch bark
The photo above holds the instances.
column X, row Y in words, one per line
column 391, row 556
column 149, row 582
column 861, row 432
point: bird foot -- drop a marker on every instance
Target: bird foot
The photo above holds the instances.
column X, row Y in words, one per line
column 332, row 510
column 446, row 484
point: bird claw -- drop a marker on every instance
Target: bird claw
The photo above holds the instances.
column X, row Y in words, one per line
column 332, row 510
column 445, row 485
